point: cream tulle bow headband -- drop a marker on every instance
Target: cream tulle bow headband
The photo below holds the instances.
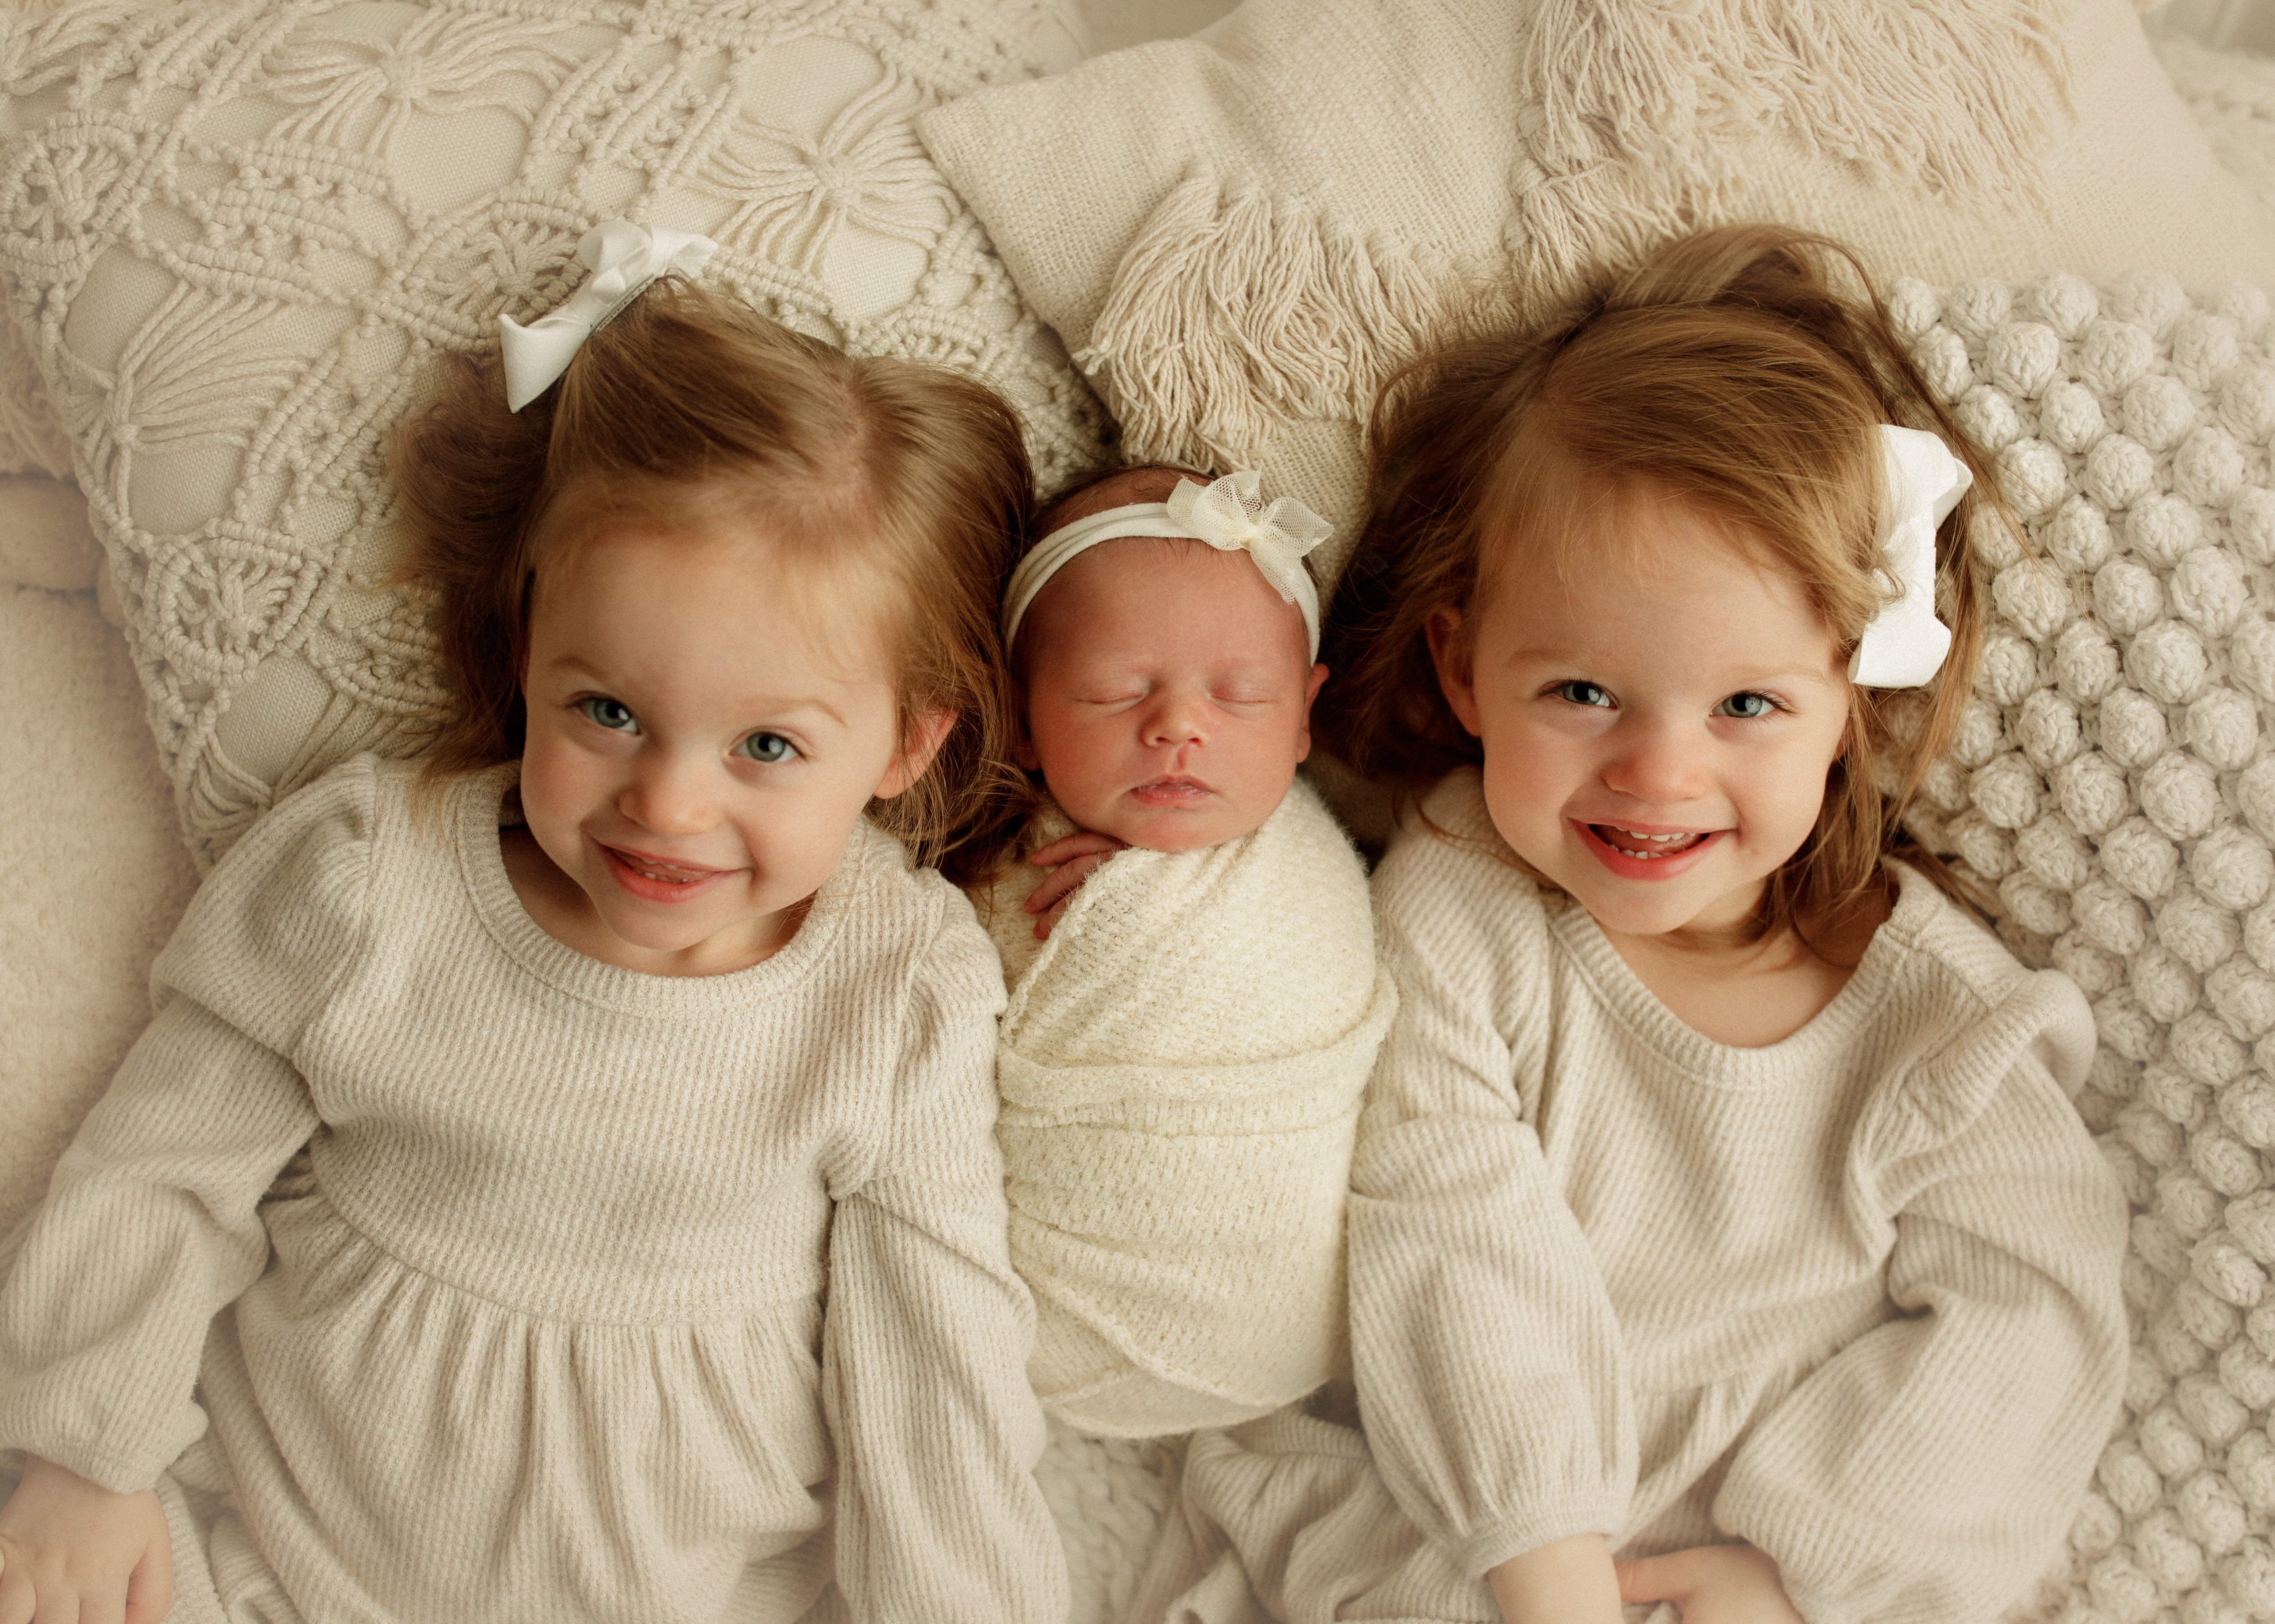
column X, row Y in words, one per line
column 1904, row 644
column 1231, row 516
column 623, row 258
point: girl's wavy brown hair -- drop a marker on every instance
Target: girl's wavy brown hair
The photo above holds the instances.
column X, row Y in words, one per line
column 1743, row 371
column 906, row 483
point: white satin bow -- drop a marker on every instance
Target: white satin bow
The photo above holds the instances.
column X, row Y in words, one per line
column 1231, row 516
column 623, row 258
column 1904, row 644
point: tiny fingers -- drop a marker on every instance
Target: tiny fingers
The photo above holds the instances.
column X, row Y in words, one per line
column 1081, row 843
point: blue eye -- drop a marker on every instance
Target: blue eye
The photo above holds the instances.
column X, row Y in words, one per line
column 614, row 715
column 1746, row 707
column 768, row 747
column 1582, row 693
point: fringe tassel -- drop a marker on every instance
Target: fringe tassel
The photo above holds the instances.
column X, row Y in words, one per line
column 1919, row 97
column 1235, row 310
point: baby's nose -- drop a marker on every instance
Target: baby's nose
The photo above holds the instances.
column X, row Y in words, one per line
column 1178, row 717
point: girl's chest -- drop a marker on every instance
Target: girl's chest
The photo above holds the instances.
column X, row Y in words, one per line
column 1707, row 1198
column 589, row 1126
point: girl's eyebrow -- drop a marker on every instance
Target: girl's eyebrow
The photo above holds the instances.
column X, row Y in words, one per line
column 1734, row 681
column 780, row 708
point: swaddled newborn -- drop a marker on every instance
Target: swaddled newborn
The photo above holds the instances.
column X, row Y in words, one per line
column 1195, row 1002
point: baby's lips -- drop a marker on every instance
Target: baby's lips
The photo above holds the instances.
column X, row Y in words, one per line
column 1178, row 791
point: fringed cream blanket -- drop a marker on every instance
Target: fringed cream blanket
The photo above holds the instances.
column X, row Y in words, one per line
column 1181, row 1067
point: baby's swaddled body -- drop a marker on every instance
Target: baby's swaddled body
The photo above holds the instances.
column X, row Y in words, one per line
column 1181, row 1066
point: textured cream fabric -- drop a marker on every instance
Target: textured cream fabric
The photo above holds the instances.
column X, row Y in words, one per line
column 598, row 1295
column 1181, row 1064
column 1852, row 1297
column 1242, row 234
column 2112, row 779
column 233, row 234
column 97, row 872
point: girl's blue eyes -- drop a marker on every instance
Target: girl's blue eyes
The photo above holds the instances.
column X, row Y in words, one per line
column 614, row 715
column 767, row 747
column 1582, row 693
column 1743, row 706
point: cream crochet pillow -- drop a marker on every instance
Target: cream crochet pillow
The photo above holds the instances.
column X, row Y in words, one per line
column 1240, row 234
column 2113, row 781
column 233, row 232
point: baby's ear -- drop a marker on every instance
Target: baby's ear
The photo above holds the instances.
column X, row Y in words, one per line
column 1022, row 742
column 926, row 732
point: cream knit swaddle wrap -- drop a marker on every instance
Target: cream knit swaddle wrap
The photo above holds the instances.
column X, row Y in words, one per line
column 1180, row 1067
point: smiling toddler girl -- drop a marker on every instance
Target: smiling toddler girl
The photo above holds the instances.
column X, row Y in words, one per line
column 1719, row 1205
column 645, row 1257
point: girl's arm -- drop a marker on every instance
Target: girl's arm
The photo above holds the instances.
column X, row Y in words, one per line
column 149, row 1229
column 1929, row 1470
column 149, row 1224
column 927, row 1336
column 1489, row 1364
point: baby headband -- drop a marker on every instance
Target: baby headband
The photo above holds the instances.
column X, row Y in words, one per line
column 1904, row 644
column 623, row 258
column 1229, row 515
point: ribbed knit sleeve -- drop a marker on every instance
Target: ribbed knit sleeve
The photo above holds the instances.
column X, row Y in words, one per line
column 149, row 1226
column 1488, row 1359
column 927, row 1333
column 1927, row 1471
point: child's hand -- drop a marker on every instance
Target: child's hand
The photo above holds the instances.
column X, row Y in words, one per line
column 1711, row 1585
column 1070, row 861
column 71, row 1549
column 1564, row 1582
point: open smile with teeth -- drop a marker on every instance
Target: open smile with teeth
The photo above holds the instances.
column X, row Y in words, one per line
column 664, row 873
column 1636, row 843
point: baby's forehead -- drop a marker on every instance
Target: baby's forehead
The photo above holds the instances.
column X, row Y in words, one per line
column 1119, row 489
column 1134, row 589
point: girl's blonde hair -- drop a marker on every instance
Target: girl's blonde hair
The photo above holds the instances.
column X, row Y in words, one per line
column 690, row 407
column 1744, row 372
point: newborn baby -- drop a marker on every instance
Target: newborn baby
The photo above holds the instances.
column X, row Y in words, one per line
column 1195, row 1002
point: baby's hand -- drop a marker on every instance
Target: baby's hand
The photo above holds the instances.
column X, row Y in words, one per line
column 1070, row 860
column 71, row 1549
column 1711, row 1585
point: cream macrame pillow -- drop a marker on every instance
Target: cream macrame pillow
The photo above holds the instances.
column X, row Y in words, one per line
column 233, row 232
column 1242, row 233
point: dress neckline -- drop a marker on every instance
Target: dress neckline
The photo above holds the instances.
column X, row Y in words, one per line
column 474, row 824
column 1824, row 1034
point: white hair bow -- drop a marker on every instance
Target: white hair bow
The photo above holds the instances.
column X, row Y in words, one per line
column 1231, row 516
column 1904, row 644
column 623, row 258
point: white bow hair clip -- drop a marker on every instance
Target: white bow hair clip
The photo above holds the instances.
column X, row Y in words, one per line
column 1231, row 516
column 1904, row 644
column 623, row 258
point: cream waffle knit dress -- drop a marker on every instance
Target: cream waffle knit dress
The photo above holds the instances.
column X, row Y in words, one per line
column 1852, row 1296
column 598, row 1295
column 1181, row 1065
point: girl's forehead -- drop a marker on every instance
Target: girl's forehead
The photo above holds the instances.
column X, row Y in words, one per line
column 1670, row 588
column 783, row 591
